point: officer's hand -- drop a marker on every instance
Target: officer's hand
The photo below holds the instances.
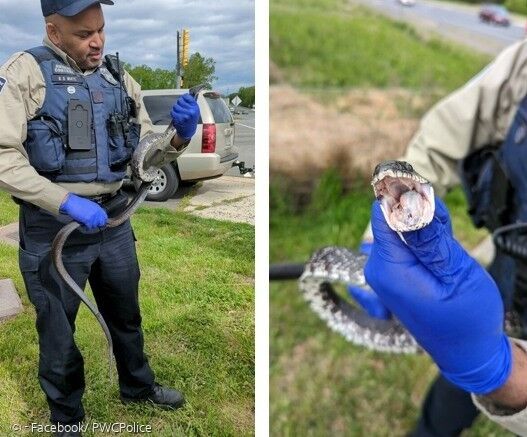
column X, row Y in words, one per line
column 185, row 116
column 84, row 211
column 367, row 299
column 444, row 298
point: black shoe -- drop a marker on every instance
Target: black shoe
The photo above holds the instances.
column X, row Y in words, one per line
column 163, row 397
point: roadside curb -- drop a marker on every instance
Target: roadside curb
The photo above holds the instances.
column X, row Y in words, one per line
column 227, row 198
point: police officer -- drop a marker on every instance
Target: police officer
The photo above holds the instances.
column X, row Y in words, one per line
column 69, row 124
column 476, row 135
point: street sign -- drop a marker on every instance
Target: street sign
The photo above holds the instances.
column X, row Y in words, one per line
column 236, row 101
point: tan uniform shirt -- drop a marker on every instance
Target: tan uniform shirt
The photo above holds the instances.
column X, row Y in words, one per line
column 514, row 422
column 20, row 99
column 478, row 114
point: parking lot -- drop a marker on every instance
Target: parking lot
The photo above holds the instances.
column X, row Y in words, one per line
column 244, row 139
column 230, row 197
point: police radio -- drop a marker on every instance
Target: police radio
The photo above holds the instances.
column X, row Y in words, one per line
column 114, row 66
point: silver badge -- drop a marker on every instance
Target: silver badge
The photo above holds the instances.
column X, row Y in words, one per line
column 71, row 90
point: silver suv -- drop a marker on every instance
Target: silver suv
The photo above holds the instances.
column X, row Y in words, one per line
column 211, row 151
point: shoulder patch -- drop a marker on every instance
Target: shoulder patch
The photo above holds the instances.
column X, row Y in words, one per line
column 59, row 68
column 3, row 81
column 107, row 75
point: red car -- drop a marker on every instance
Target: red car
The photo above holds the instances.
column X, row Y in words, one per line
column 494, row 14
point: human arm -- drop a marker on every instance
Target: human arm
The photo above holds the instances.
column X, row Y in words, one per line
column 476, row 115
column 20, row 98
column 185, row 117
column 513, row 394
column 507, row 406
column 452, row 307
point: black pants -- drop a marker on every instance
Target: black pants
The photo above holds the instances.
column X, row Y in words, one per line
column 448, row 410
column 107, row 259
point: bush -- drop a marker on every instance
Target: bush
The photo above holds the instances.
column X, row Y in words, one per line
column 518, row 6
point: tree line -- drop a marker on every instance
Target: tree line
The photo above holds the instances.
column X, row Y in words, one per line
column 199, row 70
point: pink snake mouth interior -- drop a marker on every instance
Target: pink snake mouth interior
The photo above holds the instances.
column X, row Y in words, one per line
column 407, row 202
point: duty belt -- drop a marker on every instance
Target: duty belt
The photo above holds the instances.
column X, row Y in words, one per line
column 101, row 198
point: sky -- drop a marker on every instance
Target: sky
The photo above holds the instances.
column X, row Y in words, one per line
column 144, row 32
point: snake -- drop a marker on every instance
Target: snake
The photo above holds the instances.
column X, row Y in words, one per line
column 407, row 202
column 152, row 152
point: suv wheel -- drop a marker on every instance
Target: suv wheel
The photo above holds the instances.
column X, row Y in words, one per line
column 164, row 186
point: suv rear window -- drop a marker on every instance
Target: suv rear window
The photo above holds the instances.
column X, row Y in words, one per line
column 219, row 109
column 158, row 108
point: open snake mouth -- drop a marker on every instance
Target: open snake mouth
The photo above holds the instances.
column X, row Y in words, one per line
column 407, row 199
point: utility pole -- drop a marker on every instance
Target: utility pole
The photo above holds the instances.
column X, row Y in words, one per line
column 183, row 44
column 178, row 62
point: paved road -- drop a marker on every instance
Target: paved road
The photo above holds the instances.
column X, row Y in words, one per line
column 453, row 21
column 244, row 140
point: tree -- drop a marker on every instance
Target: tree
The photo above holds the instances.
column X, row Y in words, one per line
column 199, row 70
column 150, row 79
column 247, row 96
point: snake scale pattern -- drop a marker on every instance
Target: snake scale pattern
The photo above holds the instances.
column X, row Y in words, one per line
column 407, row 202
column 332, row 265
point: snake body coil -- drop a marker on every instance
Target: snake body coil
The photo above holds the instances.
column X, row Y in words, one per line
column 407, row 202
column 337, row 264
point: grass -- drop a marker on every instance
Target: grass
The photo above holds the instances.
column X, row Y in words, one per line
column 319, row 383
column 330, row 43
column 197, row 303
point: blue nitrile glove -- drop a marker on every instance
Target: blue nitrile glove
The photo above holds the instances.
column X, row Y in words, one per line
column 367, row 299
column 84, row 211
column 444, row 298
column 185, row 116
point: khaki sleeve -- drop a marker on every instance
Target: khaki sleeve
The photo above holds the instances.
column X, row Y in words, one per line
column 134, row 90
column 515, row 421
column 20, row 98
column 475, row 115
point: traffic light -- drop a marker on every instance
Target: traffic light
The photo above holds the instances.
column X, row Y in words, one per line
column 186, row 43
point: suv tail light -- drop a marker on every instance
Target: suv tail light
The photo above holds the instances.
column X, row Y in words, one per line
column 208, row 142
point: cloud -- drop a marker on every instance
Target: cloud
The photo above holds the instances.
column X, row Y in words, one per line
column 144, row 32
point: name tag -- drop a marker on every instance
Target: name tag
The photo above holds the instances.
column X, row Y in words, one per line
column 65, row 78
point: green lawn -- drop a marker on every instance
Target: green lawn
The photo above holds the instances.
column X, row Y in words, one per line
column 197, row 303
column 330, row 43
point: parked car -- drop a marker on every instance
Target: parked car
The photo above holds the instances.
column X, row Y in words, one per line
column 407, row 2
column 211, row 151
column 494, row 14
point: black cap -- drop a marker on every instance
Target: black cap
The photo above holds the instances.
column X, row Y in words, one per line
column 68, row 8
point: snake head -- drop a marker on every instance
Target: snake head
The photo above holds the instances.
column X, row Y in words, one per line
column 407, row 198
